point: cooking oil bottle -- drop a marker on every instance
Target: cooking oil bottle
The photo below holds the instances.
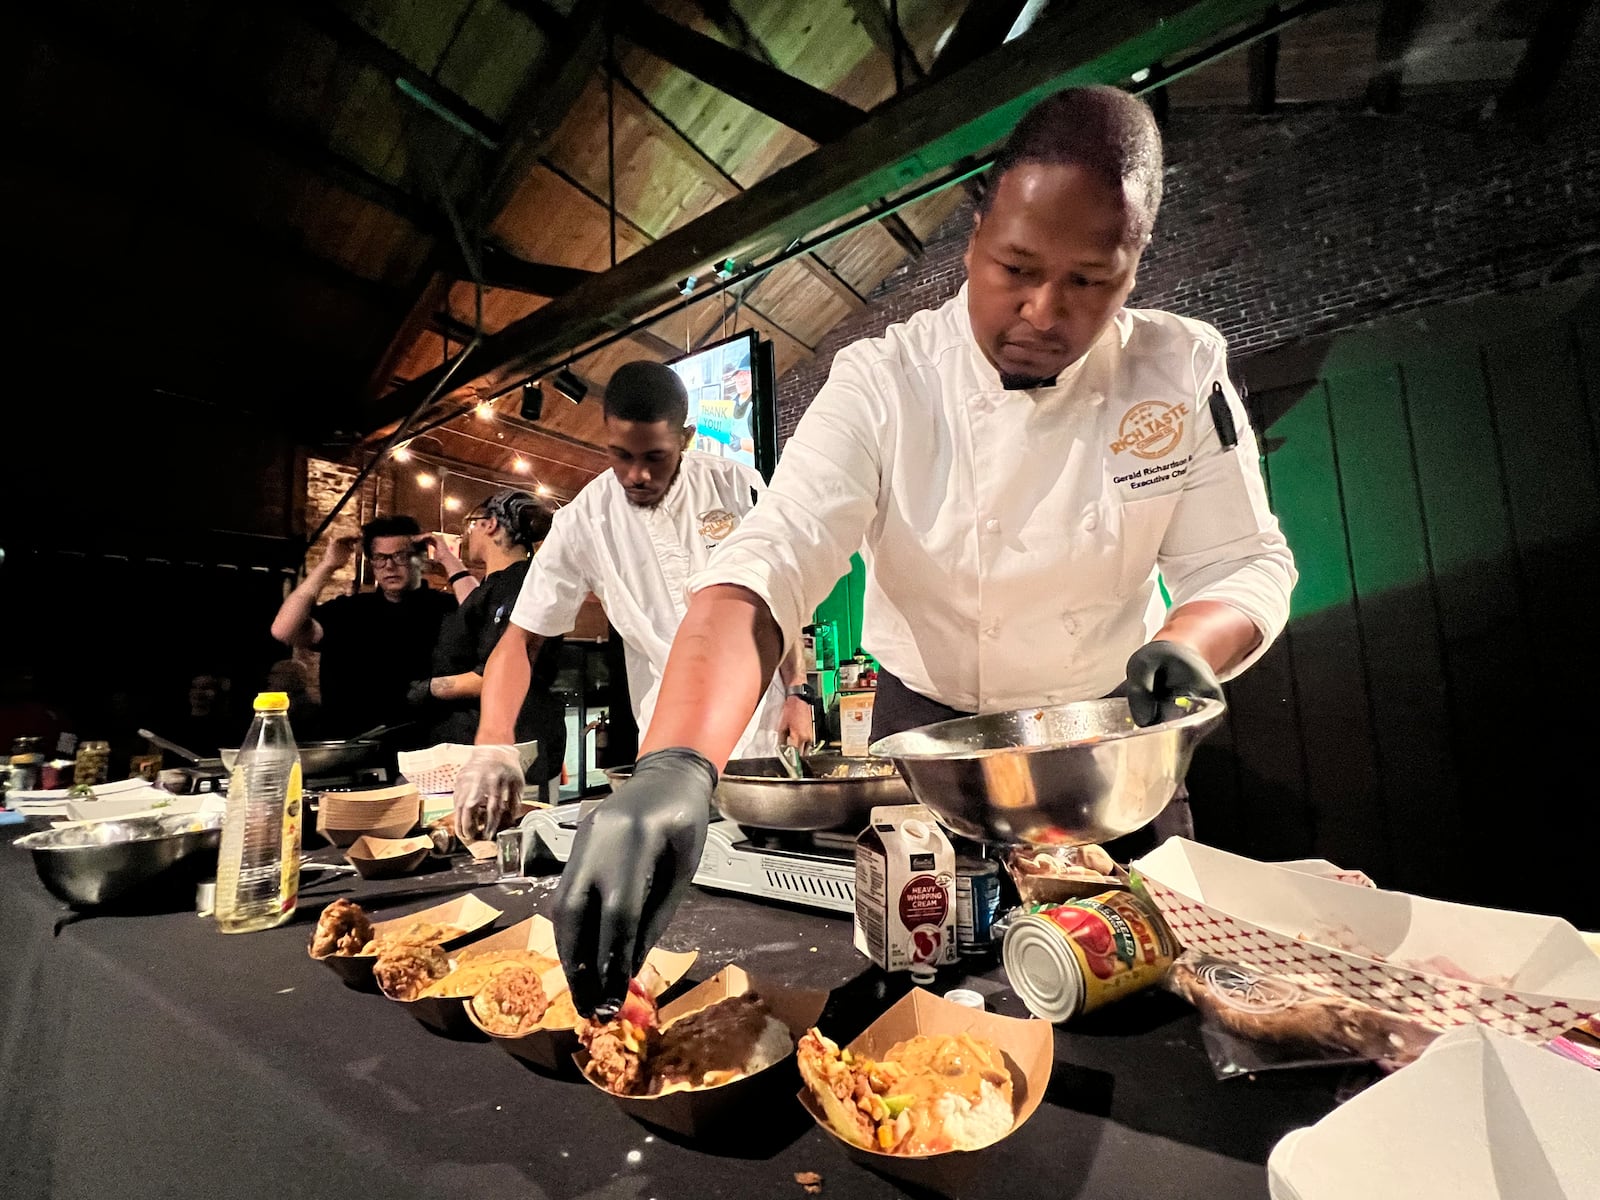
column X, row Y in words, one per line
column 258, row 867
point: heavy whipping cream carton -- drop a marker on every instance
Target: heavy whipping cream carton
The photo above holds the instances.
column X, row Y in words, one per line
column 905, row 890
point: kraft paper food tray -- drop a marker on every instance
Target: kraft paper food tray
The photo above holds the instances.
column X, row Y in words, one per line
column 715, row 1111
column 1029, row 1049
column 552, row 1044
column 385, row 858
column 468, row 912
column 1480, row 1116
column 1528, row 976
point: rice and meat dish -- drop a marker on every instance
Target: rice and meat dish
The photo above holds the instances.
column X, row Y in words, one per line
column 512, row 1003
column 474, row 971
column 343, row 928
column 416, row 934
column 728, row 1040
column 404, row 972
column 928, row 1095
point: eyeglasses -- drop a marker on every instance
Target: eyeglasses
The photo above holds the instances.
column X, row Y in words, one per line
column 401, row 559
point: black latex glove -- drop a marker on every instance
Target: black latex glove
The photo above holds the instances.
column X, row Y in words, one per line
column 419, row 693
column 633, row 859
column 1160, row 672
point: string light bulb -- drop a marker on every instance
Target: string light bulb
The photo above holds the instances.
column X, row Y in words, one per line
column 542, row 490
column 424, row 480
column 402, row 452
column 520, row 465
column 485, row 411
column 452, row 503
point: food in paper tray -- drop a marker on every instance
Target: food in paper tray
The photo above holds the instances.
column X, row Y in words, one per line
column 728, row 1040
column 511, row 1003
column 1265, row 1008
column 474, row 972
column 404, row 972
column 929, row 1094
column 343, row 928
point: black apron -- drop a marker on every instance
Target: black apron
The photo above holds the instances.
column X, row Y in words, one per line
column 897, row 708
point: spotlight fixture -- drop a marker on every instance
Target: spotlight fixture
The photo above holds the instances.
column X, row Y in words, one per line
column 520, row 465
column 402, row 453
column 687, row 287
column 570, row 386
column 532, row 400
column 424, row 480
column 485, row 411
column 725, row 271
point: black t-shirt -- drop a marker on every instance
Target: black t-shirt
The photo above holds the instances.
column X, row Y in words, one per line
column 467, row 638
column 372, row 649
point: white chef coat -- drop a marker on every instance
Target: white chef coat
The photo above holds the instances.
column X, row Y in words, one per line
column 1013, row 538
column 638, row 562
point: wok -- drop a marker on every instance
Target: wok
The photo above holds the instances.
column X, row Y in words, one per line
column 759, row 793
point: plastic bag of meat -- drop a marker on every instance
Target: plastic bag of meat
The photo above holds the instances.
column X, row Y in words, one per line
column 1252, row 1021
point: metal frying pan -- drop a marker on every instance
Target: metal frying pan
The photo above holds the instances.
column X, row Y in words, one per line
column 316, row 758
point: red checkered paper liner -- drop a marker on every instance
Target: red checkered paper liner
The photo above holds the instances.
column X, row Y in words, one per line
column 1437, row 1001
column 434, row 770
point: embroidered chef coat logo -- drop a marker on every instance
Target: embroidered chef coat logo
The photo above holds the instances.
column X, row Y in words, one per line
column 717, row 524
column 1150, row 429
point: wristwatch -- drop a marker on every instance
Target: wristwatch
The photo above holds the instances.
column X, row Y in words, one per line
column 803, row 690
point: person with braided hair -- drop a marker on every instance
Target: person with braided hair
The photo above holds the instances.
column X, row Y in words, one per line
column 500, row 533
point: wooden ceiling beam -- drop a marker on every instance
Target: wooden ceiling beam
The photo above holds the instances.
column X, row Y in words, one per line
column 874, row 20
column 1547, row 52
column 732, row 26
column 792, row 102
column 1398, row 22
column 906, row 140
column 503, row 269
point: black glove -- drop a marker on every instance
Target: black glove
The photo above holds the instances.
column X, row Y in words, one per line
column 419, row 693
column 1160, row 672
column 633, row 859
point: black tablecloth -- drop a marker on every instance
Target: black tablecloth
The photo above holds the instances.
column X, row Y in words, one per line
column 148, row 1055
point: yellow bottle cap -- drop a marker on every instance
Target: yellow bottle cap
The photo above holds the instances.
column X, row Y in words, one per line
column 272, row 702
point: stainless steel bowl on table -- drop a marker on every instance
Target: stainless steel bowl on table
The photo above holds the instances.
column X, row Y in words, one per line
column 92, row 864
column 838, row 792
column 1064, row 775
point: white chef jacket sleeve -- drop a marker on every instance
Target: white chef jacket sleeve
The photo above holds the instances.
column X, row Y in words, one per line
column 797, row 542
column 1223, row 542
column 558, row 580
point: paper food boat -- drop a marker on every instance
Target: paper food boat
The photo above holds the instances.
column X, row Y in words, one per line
column 553, row 1043
column 390, row 812
column 448, row 1014
column 384, row 858
column 471, row 915
column 724, row 1109
column 1528, row 976
column 1480, row 1116
column 1029, row 1049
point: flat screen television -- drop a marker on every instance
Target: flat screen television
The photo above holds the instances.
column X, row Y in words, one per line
column 733, row 400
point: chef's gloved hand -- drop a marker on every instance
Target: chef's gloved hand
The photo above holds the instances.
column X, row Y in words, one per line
column 488, row 790
column 632, row 861
column 1160, row 672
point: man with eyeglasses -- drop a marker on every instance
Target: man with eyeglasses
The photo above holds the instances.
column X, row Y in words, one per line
column 373, row 644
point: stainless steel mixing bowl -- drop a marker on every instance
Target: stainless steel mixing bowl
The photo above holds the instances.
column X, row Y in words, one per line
column 92, row 864
column 758, row 793
column 1063, row 775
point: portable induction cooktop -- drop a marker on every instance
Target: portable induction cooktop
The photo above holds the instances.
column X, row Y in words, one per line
column 815, row 870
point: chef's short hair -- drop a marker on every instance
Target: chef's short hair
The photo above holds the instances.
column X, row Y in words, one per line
column 648, row 392
column 395, row 526
column 1103, row 129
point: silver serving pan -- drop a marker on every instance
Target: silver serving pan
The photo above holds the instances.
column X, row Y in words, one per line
column 759, row 793
column 92, row 864
column 1067, row 774
column 322, row 759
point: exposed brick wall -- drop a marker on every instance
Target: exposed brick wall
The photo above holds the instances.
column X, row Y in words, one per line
column 1312, row 220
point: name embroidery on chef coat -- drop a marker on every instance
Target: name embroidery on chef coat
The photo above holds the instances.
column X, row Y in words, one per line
column 1150, row 429
column 716, row 524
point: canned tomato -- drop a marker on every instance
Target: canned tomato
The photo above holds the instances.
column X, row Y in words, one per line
column 977, row 901
column 1067, row 959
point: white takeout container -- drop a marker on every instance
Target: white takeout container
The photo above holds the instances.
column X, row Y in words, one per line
column 1387, row 949
column 1480, row 1116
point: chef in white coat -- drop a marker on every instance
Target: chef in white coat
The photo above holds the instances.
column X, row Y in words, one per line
column 633, row 537
column 1017, row 468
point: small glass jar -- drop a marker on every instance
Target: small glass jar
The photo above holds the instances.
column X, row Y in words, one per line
column 92, row 763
